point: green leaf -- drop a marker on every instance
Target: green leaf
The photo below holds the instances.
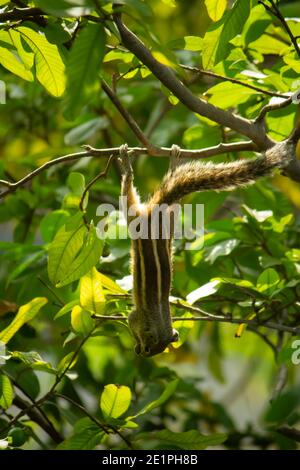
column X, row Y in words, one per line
column 221, row 249
column 167, row 393
column 14, row 57
column 12, row 62
column 25, row 313
column 29, row 260
column 215, row 8
column 6, row 392
column 201, row 136
column 87, row 258
column 233, row 25
column 91, row 292
column 210, row 45
column 256, row 24
column 51, row 223
column 65, row 247
column 76, row 183
column 187, row 43
column 282, row 407
column 81, row 321
column 125, row 57
column 67, row 362
column 49, row 66
column 203, row 291
column 34, row 360
column 83, row 66
column 115, row 400
column 86, row 437
column 66, row 309
column 110, row 285
column 188, row 440
column 66, row 8
column 86, row 131
column 226, row 94
column 268, row 281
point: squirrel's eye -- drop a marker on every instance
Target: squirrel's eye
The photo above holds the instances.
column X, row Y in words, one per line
column 175, row 336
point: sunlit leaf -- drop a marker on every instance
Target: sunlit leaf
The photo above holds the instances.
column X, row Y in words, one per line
column 91, row 292
column 49, row 66
column 81, row 321
column 215, row 8
column 25, row 313
column 6, row 392
column 115, row 400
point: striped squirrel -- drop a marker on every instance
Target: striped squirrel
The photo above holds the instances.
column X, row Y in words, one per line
column 151, row 258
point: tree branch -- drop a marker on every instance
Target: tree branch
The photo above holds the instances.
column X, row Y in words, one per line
column 291, row 433
column 232, row 80
column 127, row 116
column 212, row 318
column 272, row 107
column 166, row 76
column 277, row 13
column 134, row 152
column 17, row 14
column 35, row 416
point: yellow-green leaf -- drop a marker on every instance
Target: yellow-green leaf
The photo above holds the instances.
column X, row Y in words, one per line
column 6, row 392
column 88, row 257
column 115, row 400
column 215, row 8
column 91, row 292
column 25, row 313
column 210, row 46
column 49, row 66
column 81, row 321
column 65, row 247
column 111, row 285
column 12, row 62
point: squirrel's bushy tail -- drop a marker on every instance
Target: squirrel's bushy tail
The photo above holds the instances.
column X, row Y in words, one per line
column 197, row 176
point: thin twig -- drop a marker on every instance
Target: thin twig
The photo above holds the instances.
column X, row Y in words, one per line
column 103, row 174
column 105, row 428
column 35, row 416
column 134, row 152
column 232, row 80
column 100, row 425
column 128, row 117
column 212, row 318
column 61, row 302
column 272, row 107
column 277, row 13
column 291, row 433
column 280, row 381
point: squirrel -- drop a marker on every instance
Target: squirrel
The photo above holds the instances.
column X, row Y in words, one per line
column 151, row 257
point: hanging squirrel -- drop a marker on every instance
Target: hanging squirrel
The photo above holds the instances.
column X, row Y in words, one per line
column 151, row 257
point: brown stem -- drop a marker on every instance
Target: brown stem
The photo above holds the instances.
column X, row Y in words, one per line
column 232, row 80
column 127, row 116
column 166, row 76
column 134, row 152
